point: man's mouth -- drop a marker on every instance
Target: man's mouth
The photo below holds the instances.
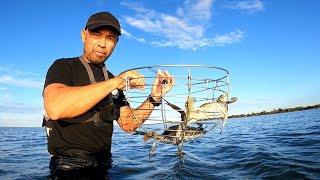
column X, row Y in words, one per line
column 100, row 53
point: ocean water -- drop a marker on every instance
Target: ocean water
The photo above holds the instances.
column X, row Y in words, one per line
column 278, row 146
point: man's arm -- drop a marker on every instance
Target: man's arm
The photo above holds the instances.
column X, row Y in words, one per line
column 61, row 101
column 129, row 122
column 130, row 119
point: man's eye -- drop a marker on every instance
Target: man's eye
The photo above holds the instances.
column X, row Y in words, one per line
column 95, row 34
column 112, row 38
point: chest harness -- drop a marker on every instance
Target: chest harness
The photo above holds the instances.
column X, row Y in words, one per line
column 102, row 113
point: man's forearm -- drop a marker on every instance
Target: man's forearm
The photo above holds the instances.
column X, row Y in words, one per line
column 130, row 119
column 62, row 101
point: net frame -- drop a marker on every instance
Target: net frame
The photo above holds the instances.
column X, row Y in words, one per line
column 203, row 83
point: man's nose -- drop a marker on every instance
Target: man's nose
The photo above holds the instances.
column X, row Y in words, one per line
column 102, row 42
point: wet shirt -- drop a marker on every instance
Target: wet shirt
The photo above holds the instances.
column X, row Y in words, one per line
column 70, row 137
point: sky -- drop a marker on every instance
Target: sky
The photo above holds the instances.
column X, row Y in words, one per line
column 270, row 48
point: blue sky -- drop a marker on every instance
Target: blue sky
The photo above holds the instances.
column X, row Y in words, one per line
column 271, row 48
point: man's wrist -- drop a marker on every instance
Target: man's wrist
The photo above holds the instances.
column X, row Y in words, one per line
column 153, row 101
column 120, row 82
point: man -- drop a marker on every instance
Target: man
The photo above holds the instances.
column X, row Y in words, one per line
column 82, row 98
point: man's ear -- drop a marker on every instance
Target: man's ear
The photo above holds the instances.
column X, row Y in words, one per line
column 83, row 35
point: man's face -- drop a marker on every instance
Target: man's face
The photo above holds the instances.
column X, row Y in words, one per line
column 99, row 43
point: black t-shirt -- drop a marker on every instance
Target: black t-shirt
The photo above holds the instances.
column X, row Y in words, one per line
column 67, row 137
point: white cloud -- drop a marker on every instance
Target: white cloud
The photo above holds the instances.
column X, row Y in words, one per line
column 229, row 38
column 21, row 120
column 9, row 70
column 9, row 105
column 17, row 106
column 5, row 98
column 195, row 44
column 29, row 83
column 128, row 35
column 185, row 29
column 15, row 77
column 248, row 5
column 196, row 10
column 15, row 113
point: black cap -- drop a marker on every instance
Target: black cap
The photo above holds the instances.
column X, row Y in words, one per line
column 103, row 19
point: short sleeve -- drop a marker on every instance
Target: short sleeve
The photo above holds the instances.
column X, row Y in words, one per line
column 59, row 72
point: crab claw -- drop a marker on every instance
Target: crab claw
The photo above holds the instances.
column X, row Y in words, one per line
column 146, row 137
column 232, row 100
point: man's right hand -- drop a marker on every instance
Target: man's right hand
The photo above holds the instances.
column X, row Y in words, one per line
column 131, row 80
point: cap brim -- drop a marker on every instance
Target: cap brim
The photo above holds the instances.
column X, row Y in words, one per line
column 100, row 24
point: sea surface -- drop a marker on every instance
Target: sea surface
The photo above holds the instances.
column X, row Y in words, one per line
column 277, row 146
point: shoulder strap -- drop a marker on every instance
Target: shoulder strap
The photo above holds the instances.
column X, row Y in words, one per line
column 91, row 76
column 89, row 70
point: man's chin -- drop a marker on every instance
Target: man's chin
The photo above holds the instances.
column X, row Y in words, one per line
column 99, row 59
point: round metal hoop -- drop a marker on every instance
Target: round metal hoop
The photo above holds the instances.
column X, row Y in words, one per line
column 204, row 84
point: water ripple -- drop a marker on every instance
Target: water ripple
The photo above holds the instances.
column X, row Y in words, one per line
column 279, row 146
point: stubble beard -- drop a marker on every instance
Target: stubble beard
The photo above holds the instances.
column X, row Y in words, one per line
column 97, row 60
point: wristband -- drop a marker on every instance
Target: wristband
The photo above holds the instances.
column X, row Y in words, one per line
column 153, row 102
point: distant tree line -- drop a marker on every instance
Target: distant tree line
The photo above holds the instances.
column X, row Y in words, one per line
column 275, row 111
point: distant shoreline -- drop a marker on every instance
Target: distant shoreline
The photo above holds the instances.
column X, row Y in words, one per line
column 276, row 111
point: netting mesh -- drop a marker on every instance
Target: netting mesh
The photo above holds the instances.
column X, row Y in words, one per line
column 192, row 107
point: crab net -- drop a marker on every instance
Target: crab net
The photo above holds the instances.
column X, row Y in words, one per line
column 197, row 83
